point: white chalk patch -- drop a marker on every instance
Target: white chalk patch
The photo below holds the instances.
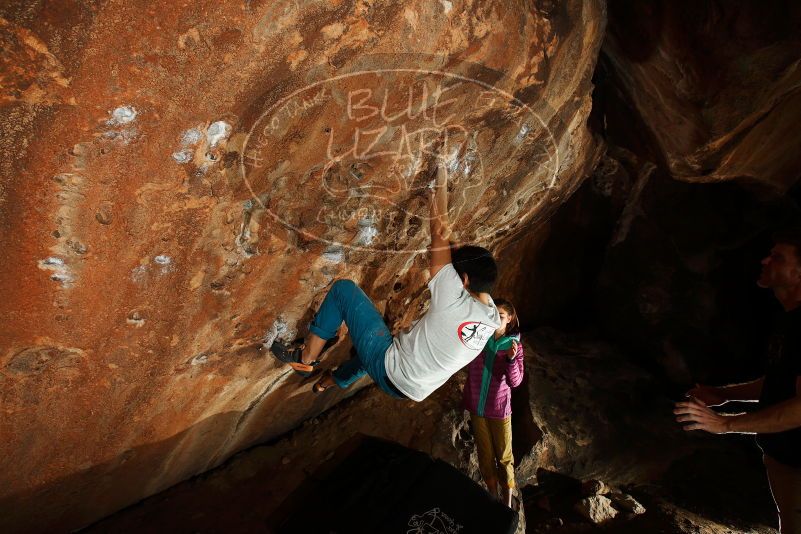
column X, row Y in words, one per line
column 218, row 131
column 279, row 329
column 122, row 115
column 165, row 262
column 182, row 156
column 453, row 164
column 203, row 168
column 446, row 5
column 61, row 277
column 191, row 137
column 200, row 359
column 60, row 271
column 334, row 254
column 522, row 134
column 121, row 119
column 138, row 323
column 367, row 233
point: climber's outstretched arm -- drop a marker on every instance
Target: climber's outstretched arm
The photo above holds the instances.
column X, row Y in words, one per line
column 440, row 225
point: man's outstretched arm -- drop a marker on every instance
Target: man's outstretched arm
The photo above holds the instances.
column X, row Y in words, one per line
column 713, row 396
column 783, row 416
column 440, row 226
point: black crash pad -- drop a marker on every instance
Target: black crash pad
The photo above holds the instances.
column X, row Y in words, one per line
column 376, row 486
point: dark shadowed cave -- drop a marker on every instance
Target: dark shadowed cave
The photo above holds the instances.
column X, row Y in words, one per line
column 144, row 265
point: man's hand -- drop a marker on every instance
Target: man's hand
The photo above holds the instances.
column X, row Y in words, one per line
column 700, row 417
column 709, row 395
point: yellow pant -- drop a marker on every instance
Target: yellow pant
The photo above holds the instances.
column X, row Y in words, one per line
column 785, row 484
column 494, row 444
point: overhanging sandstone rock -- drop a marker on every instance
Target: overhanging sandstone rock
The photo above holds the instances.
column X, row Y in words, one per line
column 147, row 246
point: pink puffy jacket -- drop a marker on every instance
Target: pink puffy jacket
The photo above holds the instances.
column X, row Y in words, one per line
column 493, row 389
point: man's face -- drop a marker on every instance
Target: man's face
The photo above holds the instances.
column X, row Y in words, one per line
column 782, row 268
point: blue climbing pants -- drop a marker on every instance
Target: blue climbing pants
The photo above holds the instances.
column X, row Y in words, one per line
column 371, row 338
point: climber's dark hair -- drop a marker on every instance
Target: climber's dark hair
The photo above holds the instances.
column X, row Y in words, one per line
column 479, row 266
column 789, row 235
column 513, row 328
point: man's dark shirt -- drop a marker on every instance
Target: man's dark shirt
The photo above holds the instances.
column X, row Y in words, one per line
column 783, row 368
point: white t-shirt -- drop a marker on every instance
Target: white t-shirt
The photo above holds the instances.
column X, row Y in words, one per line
column 448, row 337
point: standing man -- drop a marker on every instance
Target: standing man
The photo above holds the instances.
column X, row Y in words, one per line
column 777, row 422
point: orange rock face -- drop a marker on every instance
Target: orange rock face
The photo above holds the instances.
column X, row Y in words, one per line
column 181, row 182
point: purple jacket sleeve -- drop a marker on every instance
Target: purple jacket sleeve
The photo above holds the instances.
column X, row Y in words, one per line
column 514, row 369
